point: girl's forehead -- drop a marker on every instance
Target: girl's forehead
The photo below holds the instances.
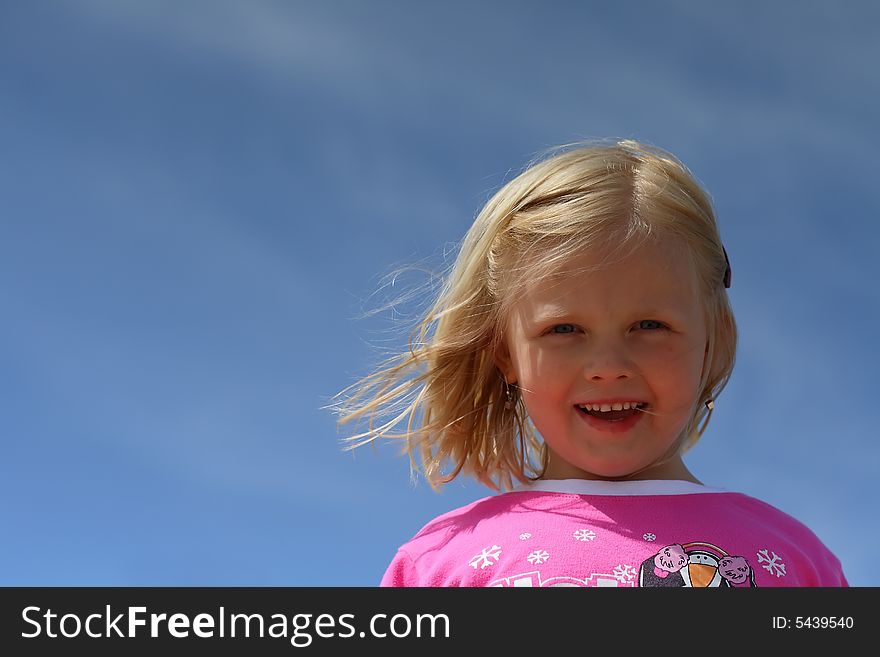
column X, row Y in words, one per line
column 657, row 267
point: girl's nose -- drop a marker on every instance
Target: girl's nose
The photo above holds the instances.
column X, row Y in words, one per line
column 608, row 362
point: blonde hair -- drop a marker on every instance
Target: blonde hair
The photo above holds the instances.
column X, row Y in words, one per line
column 616, row 195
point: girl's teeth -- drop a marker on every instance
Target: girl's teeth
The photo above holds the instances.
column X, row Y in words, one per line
column 618, row 406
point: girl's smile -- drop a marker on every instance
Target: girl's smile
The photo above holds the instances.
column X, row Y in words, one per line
column 611, row 421
column 609, row 362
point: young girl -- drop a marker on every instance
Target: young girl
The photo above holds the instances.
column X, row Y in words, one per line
column 588, row 304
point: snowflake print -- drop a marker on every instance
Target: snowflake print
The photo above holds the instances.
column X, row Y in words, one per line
column 584, row 535
column 773, row 564
column 538, row 556
column 485, row 558
column 624, row 572
column 525, row 536
column 650, row 537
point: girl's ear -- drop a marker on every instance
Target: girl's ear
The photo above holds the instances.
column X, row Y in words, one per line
column 504, row 363
column 706, row 356
column 715, row 365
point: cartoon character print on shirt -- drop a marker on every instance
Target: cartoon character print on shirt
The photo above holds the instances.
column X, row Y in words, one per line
column 737, row 572
column 697, row 565
column 664, row 568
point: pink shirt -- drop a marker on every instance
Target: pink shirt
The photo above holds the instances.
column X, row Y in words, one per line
column 600, row 533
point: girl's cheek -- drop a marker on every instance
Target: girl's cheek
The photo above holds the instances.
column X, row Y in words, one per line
column 664, row 356
column 557, row 357
column 548, row 362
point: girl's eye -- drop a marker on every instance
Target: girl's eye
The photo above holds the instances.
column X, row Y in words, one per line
column 647, row 324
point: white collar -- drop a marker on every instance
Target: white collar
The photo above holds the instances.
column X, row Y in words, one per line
column 595, row 487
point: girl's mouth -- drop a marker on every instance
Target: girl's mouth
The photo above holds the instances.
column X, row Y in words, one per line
column 612, row 421
column 613, row 416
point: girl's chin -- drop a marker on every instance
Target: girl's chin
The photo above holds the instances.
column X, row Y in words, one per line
column 605, row 472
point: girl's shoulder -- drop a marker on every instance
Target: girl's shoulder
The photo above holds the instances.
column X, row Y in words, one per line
column 467, row 518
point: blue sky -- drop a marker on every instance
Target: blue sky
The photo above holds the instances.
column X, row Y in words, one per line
column 198, row 200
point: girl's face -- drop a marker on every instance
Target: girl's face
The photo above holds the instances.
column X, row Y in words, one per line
column 633, row 331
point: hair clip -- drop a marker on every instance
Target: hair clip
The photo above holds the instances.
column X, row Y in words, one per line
column 727, row 272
